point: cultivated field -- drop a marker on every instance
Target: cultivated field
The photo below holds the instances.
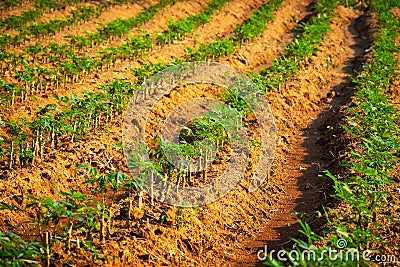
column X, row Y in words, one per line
column 68, row 72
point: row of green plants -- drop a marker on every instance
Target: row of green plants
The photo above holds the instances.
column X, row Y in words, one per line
column 176, row 29
column 37, row 10
column 373, row 124
column 72, row 117
column 19, row 21
column 119, row 26
column 8, row 4
column 251, row 28
column 40, row 29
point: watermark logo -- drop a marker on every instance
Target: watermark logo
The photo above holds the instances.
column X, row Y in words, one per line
column 215, row 110
column 341, row 243
column 340, row 253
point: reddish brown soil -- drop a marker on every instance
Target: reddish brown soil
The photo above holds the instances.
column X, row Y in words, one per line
column 396, row 12
column 394, row 90
column 231, row 230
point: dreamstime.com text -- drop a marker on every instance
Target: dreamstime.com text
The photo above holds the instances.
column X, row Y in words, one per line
column 341, row 253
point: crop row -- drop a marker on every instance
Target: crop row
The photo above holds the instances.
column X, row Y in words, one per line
column 177, row 29
column 41, row 29
column 372, row 123
column 119, row 27
column 18, row 22
column 44, row 4
column 36, row 11
column 73, row 115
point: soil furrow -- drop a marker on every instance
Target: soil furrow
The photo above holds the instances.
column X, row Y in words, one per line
column 318, row 90
column 159, row 23
column 233, row 13
column 253, row 55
